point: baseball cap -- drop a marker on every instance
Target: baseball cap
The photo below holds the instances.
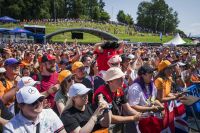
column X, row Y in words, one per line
column 63, row 74
column 11, row 61
column 78, row 89
column 181, row 63
column 131, row 56
column 48, row 57
column 164, row 64
column 26, row 81
column 28, row 95
column 113, row 73
column 77, row 65
column 145, row 69
column 2, row 70
column 115, row 59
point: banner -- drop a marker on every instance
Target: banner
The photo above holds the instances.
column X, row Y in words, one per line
column 194, row 90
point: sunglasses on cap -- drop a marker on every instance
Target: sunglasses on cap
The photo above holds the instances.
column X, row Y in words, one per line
column 39, row 100
column 69, row 78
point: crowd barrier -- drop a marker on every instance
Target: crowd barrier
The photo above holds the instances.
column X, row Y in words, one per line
column 194, row 90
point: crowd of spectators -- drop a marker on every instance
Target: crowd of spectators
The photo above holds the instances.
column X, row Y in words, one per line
column 105, row 87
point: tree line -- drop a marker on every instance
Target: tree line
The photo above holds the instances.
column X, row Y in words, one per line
column 53, row 9
column 155, row 15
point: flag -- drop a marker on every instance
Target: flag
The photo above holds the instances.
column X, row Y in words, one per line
column 161, row 36
column 181, row 125
column 174, row 120
column 146, row 125
column 168, row 120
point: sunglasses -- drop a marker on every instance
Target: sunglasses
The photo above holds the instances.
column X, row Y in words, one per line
column 39, row 100
column 51, row 62
column 69, row 79
column 82, row 68
column 114, row 64
column 14, row 66
column 83, row 96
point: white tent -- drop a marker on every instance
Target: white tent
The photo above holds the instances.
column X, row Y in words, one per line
column 177, row 40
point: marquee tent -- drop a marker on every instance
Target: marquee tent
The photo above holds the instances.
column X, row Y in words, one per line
column 177, row 40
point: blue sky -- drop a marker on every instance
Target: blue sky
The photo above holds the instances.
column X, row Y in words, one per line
column 188, row 12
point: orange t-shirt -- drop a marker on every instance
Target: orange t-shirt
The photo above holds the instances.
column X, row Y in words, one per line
column 164, row 84
column 4, row 90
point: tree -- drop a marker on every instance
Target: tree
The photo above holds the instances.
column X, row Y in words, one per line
column 104, row 16
column 38, row 9
column 157, row 16
column 129, row 20
column 121, row 17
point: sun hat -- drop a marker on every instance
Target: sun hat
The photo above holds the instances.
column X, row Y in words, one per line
column 28, row 95
column 11, row 61
column 26, row 81
column 113, row 73
column 78, row 89
column 164, row 64
column 77, row 65
column 63, row 74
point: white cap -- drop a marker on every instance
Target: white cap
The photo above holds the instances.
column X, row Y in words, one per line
column 26, row 81
column 115, row 59
column 2, row 70
column 78, row 89
column 181, row 64
column 131, row 56
column 28, row 95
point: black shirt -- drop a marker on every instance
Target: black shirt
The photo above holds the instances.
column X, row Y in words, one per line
column 73, row 118
column 4, row 113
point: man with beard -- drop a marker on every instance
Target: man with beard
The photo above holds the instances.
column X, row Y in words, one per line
column 79, row 72
column 48, row 79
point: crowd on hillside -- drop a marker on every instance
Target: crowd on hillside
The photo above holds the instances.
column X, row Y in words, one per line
column 107, row 87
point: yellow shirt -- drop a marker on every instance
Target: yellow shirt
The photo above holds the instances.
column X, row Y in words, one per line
column 4, row 90
column 164, row 85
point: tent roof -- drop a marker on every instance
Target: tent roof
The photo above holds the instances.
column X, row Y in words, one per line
column 19, row 30
column 177, row 40
column 7, row 19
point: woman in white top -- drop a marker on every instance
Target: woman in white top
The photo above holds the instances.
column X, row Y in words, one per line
column 142, row 93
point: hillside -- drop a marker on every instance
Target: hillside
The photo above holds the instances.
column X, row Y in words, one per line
column 122, row 32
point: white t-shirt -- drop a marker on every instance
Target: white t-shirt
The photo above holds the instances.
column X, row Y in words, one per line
column 137, row 97
column 49, row 123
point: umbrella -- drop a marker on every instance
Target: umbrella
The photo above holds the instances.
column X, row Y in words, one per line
column 7, row 19
column 19, row 30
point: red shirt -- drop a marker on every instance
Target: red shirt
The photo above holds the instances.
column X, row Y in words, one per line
column 102, row 58
column 109, row 96
column 45, row 83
